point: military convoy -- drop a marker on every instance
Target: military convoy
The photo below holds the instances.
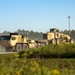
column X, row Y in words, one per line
column 18, row 42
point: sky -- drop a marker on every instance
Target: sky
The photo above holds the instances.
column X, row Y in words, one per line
column 36, row 15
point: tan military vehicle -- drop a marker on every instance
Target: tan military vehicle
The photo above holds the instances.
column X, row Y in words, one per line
column 55, row 37
column 16, row 42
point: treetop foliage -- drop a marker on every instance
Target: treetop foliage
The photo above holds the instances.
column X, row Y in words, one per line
column 37, row 35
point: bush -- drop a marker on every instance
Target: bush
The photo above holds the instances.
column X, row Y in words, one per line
column 50, row 51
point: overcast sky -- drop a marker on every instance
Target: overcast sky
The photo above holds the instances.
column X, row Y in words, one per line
column 36, row 15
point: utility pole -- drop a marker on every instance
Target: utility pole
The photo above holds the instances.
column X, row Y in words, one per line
column 69, row 24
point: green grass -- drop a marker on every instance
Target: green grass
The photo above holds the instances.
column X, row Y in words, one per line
column 11, row 66
column 49, row 60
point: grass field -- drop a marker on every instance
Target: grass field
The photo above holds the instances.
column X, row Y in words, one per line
column 49, row 60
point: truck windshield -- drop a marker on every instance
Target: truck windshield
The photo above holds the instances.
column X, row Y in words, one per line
column 5, row 37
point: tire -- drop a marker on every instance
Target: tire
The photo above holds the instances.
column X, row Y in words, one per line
column 57, row 41
column 25, row 46
column 18, row 47
column 71, row 41
column 53, row 41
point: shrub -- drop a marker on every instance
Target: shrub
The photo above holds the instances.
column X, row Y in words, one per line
column 50, row 51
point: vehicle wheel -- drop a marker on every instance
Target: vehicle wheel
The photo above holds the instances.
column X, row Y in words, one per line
column 25, row 46
column 71, row 41
column 57, row 41
column 53, row 41
column 18, row 47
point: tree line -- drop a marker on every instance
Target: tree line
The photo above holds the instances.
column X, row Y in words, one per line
column 72, row 33
column 37, row 35
column 30, row 34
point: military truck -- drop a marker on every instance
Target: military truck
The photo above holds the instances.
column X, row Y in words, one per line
column 16, row 42
column 55, row 37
